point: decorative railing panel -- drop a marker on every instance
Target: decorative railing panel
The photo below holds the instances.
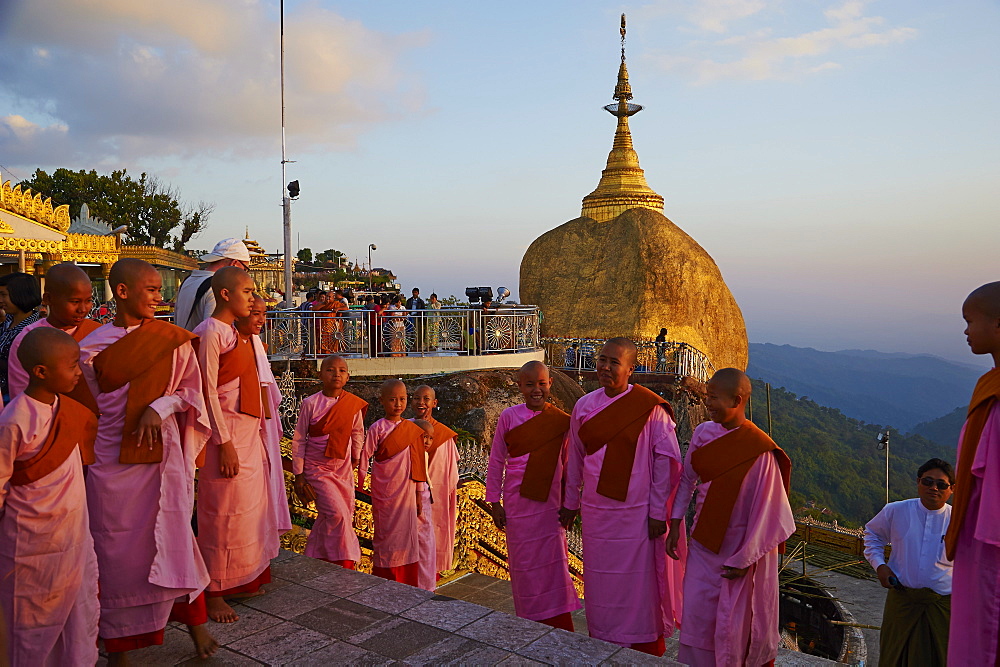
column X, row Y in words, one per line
column 578, row 355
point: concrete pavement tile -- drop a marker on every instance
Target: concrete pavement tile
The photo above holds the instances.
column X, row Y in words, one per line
column 288, row 601
column 223, row 657
column 343, row 582
column 177, row 647
column 560, row 647
column 281, row 644
column 504, row 631
column 454, row 650
column 340, row 618
column 301, row 568
column 396, row 637
column 341, row 653
column 445, row 613
column 392, row 597
column 251, row 621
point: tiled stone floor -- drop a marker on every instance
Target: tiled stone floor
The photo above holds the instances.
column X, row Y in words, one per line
column 316, row 613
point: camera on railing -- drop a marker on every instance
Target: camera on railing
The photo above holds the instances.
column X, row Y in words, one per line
column 484, row 294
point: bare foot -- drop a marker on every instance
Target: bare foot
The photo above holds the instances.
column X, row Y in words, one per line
column 219, row 611
column 118, row 659
column 204, row 643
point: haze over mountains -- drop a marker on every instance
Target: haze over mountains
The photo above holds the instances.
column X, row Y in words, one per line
column 892, row 389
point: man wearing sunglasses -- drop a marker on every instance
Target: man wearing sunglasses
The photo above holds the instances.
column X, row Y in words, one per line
column 918, row 574
column 195, row 302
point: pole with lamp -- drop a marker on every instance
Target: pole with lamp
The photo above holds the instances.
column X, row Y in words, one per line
column 883, row 443
column 371, row 246
column 293, row 187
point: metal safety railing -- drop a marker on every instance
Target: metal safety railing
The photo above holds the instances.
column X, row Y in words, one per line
column 579, row 355
column 366, row 333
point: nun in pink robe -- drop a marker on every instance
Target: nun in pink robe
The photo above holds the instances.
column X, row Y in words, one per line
column 442, row 475
column 48, row 568
column 236, row 521
column 974, row 635
column 632, row 590
column 140, row 515
column 536, row 542
column 270, row 433
column 332, row 537
column 400, row 538
column 734, row 621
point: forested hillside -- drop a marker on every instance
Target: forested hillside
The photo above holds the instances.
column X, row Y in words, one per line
column 835, row 462
column 943, row 430
column 900, row 390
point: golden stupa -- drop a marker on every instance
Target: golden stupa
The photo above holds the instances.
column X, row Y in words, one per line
column 624, row 269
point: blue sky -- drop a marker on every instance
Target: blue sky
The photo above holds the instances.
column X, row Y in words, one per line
column 840, row 160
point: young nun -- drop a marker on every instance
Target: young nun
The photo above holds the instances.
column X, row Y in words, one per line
column 140, row 489
column 48, row 568
column 236, row 531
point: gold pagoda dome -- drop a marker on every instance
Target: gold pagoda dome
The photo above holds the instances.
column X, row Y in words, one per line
column 623, row 183
column 252, row 245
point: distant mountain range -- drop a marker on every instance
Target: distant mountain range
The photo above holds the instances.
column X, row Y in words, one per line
column 893, row 389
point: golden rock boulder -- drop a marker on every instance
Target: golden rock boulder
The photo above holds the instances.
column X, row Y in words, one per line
column 630, row 276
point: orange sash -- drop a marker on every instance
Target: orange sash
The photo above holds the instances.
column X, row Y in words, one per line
column 73, row 424
column 985, row 395
column 338, row 423
column 442, row 434
column 618, row 426
column 541, row 437
column 241, row 362
column 81, row 392
column 144, row 360
column 406, row 434
column 725, row 463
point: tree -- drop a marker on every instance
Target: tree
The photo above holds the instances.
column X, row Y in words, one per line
column 151, row 209
column 305, row 255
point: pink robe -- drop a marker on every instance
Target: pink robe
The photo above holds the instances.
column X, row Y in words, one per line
column 975, row 586
column 140, row 515
column 536, row 542
column 270, row 433
column 48, row 568
column 236, row 531
column 399, row 538
column 734, row 621
column 632, row 590
column 332, row 536
column 17, row 377
column 442, row 472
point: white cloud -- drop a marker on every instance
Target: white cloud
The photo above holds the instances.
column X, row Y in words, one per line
column 120, row 79
column 759, row 54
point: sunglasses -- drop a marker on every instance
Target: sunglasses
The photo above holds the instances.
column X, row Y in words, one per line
column 939, row 483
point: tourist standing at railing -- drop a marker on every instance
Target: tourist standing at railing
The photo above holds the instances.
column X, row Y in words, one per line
column 20, row 298
column 433, row 322
column 918, row 573
column 661, row 351
column 623, row 454
column 416, row 307
column 194, row 302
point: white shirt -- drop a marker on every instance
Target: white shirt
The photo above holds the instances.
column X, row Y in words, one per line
column 187, row 314
column 917, row 538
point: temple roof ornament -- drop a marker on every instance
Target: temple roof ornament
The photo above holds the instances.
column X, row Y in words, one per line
column 34, row 207
column 623, row 183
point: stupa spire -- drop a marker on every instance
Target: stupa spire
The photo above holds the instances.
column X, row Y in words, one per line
column 623, row 184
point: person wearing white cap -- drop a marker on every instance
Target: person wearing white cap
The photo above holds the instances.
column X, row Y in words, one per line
column 195, row 301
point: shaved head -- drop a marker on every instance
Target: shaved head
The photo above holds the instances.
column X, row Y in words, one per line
column 390, row 386
column 230, row 278
column 64, row 278
column 128, row 271
column 424, row 424
column 329, row 361
column 629, row 351
column 732, row 382
column 986, row 299
column 425, row 388
column 41, row 346
column 532, row 368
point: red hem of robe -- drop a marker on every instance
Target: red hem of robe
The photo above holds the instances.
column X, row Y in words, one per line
column 657, row 648
column 188, row 613
column 563, row 621
column 404, row 574
column 346, row 564
column 251, row 587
